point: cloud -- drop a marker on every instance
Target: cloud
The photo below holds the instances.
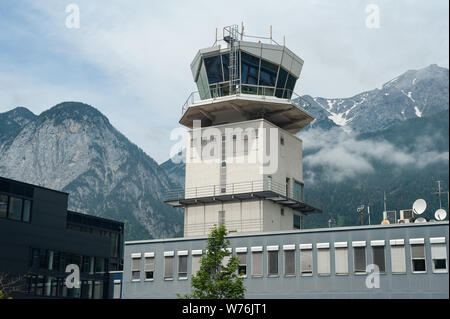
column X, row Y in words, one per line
column 131, row 59
column 341, row 155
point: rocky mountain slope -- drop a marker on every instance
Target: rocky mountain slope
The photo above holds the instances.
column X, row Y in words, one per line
column 415, row 93
column 72, row 147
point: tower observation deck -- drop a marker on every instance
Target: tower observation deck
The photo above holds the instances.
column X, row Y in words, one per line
column 243, row 86
column 242, row 80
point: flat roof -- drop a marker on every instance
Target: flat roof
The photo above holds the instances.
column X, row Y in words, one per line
column 31, row 185
column 311, row 230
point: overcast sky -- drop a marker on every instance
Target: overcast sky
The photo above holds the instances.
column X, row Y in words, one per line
column 130, row 59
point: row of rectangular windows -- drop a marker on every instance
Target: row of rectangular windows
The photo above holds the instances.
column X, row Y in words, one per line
column 341, row 258
column 47, row 259
column 48, row 286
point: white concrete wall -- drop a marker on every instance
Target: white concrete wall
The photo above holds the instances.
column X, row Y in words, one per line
column 203, row 179
column 240, row 216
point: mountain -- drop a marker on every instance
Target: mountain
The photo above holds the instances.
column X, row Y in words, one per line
column 415, row 93
column 175, row 171
column 404, row 160
column 72, row 147
column 12, row 121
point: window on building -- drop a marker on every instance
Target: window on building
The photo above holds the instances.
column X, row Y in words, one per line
column 281, row 82
column 149, row 267
column 98, row 289
column 136, row 268
column 196, row 263
column 323, row 261
column 418, row 257
column 214, row 69
column 306, row 261
column 359, row 259
column 290, row 84
column 268, row 76
column 182, row 266
column 43, row 258
column 273, row 263
column 168, row 267
column 298, row 191
column 242, row 270
column 15, row 208
column 250, row 70
column 85, row 264
column 282, row 140
column 257, row 263
column 378, row 256
column 289, row 262
column 297, row 222
column 398, row 259
column 26, row 217
column 288, row 187
column 117, row 289
column 341, row 260
column 99, row 264
column 40, row 285
column 3, row 205
column 439, row 257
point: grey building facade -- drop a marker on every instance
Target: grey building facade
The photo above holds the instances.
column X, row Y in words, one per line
column 315, row 263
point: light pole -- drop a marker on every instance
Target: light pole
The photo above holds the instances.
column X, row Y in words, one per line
column 360, row 210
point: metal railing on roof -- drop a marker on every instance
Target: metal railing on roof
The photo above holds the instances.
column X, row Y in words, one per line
column 265, row 185
column 222, row 89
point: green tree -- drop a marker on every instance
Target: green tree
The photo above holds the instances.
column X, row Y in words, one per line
column 215, row 280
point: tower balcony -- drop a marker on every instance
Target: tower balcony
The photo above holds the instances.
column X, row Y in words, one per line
column 261, row 189
column 282, row 107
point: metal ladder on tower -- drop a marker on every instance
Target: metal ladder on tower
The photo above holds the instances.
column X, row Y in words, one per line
column 232, row 39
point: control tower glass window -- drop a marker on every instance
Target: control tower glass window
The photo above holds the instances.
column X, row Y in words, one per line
column 250, row 68
column 214, row 69
column 290, row 86
column 267, row 77
column 202, row 83
column 226, row 66
column 281, row 82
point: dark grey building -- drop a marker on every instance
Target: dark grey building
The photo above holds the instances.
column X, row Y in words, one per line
column 39, row 237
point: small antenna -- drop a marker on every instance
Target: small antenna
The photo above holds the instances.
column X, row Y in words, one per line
column 270, row 34
column 384, row 200
column 439, row 193
column 242, row 30
column 284, row 40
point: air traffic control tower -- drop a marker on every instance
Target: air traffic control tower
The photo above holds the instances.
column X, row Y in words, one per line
column 243, row 160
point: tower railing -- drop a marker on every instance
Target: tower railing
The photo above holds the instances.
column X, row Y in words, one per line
column 222, row 89
column 265, row 185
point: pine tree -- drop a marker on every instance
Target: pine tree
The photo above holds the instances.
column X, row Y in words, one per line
column 215, row 280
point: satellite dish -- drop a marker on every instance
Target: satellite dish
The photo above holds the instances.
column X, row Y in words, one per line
column 385, row 222
column 440, row 214
column 419, row 206
column 420, row 220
